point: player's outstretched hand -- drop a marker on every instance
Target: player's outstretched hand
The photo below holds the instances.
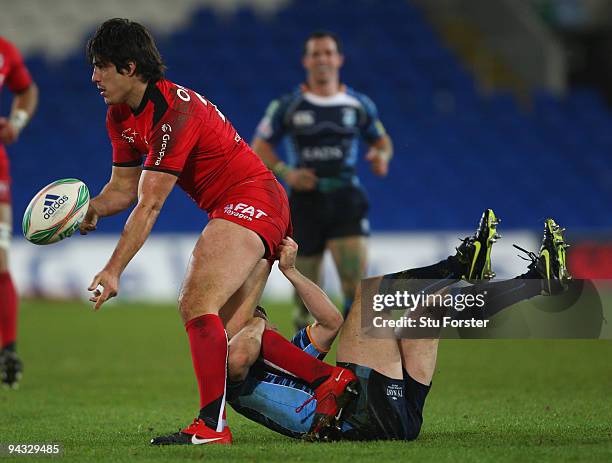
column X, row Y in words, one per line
column 287, row 252
column 110, row 288
column 379, row 161
column 8, row 133
column 301, row 179
column 90, row 221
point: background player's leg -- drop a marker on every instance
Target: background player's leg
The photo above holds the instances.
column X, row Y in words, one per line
column 10, row 365
column 350, row 256
column 222, row 261
column 238, row 310
column 310, row 267
column 380, row 354
column 8, row 296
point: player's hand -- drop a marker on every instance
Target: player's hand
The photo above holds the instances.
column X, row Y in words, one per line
column 110, row 287
column 287, row 252
column 8, row 132
column 90, row 221
column 379, row 161
column 301, row 179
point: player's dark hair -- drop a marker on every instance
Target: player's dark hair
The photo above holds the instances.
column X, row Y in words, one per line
column 119, row 41
column 260, row 312
column 321, row 35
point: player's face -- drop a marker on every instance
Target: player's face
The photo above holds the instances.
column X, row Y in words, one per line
column 322, row 59
column 114, row 86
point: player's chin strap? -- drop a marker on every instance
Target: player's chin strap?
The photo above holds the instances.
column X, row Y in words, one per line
column 5, row 236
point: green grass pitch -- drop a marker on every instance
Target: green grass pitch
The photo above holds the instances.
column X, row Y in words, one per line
column 102, row 384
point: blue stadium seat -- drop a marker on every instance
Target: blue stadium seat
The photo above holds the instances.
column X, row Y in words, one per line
column 456, row 151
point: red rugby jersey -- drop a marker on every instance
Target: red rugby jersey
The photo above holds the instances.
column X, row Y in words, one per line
column 182, row 133
column 13, row 72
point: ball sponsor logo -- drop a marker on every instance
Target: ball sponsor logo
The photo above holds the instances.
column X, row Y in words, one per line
column 52, row 204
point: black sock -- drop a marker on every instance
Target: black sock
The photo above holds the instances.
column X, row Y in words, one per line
column 500, row 295
column 448, row 268
column 210, row 410
column 10, row 347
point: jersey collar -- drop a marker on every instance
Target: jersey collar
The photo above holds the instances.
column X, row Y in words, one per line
column 145, row 98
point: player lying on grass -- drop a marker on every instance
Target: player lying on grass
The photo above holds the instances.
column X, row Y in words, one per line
column 312, row 343
column 394, row 375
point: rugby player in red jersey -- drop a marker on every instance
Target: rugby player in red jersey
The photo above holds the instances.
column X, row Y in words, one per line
column 15, row 75
column 185, row 139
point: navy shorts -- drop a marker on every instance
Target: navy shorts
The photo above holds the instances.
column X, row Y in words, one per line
column 385, row 409
column 318, row 217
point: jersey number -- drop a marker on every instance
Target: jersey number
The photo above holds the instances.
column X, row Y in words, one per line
column 183, row 94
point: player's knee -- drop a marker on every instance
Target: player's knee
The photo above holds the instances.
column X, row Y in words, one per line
column 188, row 307
column 238, row 365
column 3, row 260
column 5, row 243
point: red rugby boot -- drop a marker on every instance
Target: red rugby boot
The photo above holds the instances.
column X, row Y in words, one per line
column 197, row 433
column 332, row 396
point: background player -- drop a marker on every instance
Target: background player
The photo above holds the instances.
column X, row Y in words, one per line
column 394, row 375
column 185, row 139
column 323, row 121
column 15, row 75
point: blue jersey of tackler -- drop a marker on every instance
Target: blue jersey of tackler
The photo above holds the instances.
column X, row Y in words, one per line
column 275, row 400
column 322, row 133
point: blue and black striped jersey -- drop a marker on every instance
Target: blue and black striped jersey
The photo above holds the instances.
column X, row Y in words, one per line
column 322, row 133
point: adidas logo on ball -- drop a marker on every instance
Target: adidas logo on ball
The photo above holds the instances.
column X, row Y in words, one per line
column 56, row 211
column 52, row 203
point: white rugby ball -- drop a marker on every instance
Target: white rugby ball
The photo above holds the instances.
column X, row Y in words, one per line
column 56, row 211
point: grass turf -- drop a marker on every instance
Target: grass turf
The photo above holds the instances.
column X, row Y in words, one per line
column 102, row 384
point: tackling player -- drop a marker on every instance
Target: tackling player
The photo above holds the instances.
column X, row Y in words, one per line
column 15, row 75
column 185, row 139
column 394, row 375
column 321, row 123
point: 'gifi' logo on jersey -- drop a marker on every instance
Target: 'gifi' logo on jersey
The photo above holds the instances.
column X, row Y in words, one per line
column 244, row 211
column 166, row 128
column 52, row 203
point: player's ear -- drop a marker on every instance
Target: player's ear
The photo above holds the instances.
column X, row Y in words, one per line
column 131, row 70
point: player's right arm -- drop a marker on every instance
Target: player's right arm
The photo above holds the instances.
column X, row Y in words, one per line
column 270, row 131
column 117, row 195
column 328, row 320
column 121, row 191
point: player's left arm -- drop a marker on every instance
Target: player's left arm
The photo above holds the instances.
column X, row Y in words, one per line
column 153, row 189
column 328, row 320
column 373, row 132
column 23, row 108
column 379, row 155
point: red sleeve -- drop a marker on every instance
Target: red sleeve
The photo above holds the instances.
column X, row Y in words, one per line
column 172, row 139
column 18, row 78
column 124, row 153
